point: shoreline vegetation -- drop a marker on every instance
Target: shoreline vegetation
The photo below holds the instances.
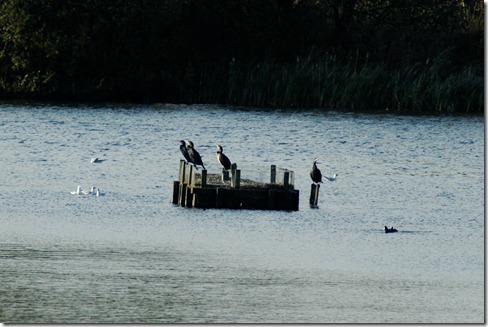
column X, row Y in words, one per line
column 405, row 56
column 368, row 86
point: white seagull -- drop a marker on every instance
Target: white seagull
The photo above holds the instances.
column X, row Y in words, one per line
column 99, row 193
column 331, row 179
column 78, row 191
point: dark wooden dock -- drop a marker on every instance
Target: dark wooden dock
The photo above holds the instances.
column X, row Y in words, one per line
column 197, row 189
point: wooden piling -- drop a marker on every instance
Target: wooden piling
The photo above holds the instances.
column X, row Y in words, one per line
column 181, row 174
column 236, row 179
column 176, row 190
column 273, row 174
column 314, row 195
column 204, row 177
column 182, row 194
column 286, row 179
column 190, row 177
column 225, row 175
column 188, row 198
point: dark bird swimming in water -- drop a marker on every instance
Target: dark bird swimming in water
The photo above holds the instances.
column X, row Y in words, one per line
column 315, row 173
column 222, row 158
column 184, row 151
column 194, row 156
column 390, row 230
column 96, row 160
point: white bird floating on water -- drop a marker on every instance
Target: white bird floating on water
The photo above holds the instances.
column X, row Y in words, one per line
column 78, row 191
column 96, row 160
column 331, row 179
column 96, row 191
column 93, row 191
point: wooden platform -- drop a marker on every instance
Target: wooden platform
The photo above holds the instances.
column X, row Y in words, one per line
column 202, row 190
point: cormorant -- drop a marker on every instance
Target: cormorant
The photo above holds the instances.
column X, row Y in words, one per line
column 222, row 158
column 390, row 230
column 194, row 156
column 184, row 151
column 315, row 173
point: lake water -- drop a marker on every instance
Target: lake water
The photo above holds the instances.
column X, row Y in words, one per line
column 133, row 257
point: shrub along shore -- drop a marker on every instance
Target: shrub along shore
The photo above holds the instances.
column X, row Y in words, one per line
column 416, row 56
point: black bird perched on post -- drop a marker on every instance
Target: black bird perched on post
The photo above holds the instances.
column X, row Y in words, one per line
column 390, row 230
column 222, row 158
column 315, row 173
column 184, row 151
column 194, row 156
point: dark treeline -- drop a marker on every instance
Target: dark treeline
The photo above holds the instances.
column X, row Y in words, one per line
column 405, row 55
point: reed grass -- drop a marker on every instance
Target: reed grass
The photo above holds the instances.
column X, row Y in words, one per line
column 430, row 87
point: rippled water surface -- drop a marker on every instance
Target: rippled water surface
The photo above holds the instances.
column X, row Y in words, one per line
column 131, row 256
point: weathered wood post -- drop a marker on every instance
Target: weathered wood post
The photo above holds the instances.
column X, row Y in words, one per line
column 191, row 176
column 176, row 191
column 182, row 185
column 314, row 195
column 233, row 168
column 236, row 179
column 181, row 173
column 273, row 174
column 286, row 179
column 188, row 197
column 204, row 177
column 181, row 194
column 225, row 175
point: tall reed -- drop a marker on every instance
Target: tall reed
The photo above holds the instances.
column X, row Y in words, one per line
column 331, row 83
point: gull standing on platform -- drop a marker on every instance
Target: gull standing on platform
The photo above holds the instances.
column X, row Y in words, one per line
column 194, row 156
